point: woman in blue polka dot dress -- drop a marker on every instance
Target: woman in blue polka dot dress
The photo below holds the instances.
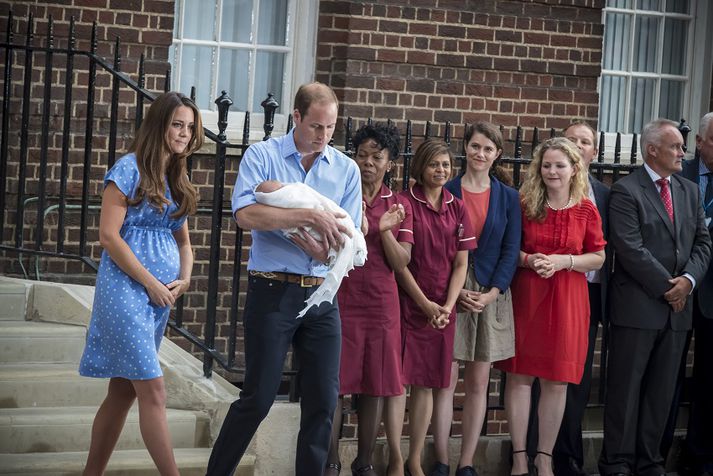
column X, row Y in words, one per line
column 146, row 265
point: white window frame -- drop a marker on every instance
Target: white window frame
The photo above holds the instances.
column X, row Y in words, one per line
column 697, row 91
column 300, row 50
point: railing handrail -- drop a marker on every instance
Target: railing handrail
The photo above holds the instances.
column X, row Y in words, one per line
column 218, row 210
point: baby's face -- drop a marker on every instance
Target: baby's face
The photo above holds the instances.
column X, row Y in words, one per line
column 268, row 186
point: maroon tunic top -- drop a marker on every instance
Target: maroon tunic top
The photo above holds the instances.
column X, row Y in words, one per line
column 438, row 236
column 369, row 308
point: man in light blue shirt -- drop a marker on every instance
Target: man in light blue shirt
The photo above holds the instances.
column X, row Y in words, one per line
column 284, row 272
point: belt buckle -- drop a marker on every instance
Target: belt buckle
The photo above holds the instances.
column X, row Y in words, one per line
column 302, row 281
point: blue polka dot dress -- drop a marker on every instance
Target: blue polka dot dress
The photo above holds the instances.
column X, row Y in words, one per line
column 126, row 328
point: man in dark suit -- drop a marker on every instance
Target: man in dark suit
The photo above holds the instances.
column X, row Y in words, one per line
column 698, row 447
column 662, row 249
column 568, row 455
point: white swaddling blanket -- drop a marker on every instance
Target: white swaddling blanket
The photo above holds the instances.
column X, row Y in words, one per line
column 353, row 253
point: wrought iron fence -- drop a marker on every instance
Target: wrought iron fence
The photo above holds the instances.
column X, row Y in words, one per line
column 12, row 215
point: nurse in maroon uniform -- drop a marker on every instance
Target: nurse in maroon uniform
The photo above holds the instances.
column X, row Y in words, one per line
column 430, row 286
column 369, row 309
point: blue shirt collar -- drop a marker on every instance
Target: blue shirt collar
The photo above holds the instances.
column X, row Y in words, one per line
column 289, row 148
column 702, row 169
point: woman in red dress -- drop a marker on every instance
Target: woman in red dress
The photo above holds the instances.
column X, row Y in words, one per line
column 561, row 240
column 430, row 286
column 369, row 309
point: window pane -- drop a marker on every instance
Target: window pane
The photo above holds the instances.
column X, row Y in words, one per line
column 198, row 20
column 272, row 22
column 269, row 69
column 197, row 70
column 674, row 46
column 619, row 3
column 233, row 76
column 671, row 99
column 611, row 100
column 641, row 106
column 677, row 6
column 617, row 29
column 654, row 5
column 645, row 37
column 236, row 22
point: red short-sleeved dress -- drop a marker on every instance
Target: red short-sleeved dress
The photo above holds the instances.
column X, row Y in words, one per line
column 552, row 315
column 438, row 236
column 369, row 309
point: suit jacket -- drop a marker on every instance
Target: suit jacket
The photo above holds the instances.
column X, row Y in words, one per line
column 650, row 250
column 601, row 197
column 704, row 289
column 498, row 251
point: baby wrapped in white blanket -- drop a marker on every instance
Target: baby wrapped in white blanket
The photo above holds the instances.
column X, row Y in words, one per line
column 353, row 253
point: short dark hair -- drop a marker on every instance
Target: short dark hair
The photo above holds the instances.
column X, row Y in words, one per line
column 386, row 136
column 491, row 131
column 582, row 122
column 425, row 153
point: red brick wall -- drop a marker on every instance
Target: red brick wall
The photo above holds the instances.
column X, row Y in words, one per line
column 526, row 63
column 148, row 32
column 440, row 60
column 533, row 64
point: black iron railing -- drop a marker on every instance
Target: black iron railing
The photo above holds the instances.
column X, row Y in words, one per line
column 218, row 210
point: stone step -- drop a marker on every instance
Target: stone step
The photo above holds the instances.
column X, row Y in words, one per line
column 13, row 301
column 48, row 385
column 190, row 461
column 54, row 429
column 34, row 341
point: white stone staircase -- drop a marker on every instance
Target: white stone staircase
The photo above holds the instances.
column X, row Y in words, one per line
column 47, row 409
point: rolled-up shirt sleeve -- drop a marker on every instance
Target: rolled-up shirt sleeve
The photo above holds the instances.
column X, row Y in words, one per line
column 351, row 203
column 252, row 172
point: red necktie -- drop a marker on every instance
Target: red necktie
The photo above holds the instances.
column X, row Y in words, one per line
column 666, row 197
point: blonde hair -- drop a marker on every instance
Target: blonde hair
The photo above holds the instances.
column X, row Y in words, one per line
column 151, row 147
column 534, row 192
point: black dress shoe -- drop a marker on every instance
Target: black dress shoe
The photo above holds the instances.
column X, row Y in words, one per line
column 440, row 469
column 466, row 471
column 572, row 468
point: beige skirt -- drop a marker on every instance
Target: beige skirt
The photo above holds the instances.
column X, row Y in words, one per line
column 487, row 336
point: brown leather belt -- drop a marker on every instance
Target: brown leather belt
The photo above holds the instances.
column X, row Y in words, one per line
column 303, row 281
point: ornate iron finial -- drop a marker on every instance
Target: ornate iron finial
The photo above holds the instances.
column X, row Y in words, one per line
column 634, row 141
column 348, row 144
column 167, row 79
column 600, row 153
column 117, row 54
column 50, row 33
column 72, row 40
column 93, row 41
column 685, row 129
column 8, row 33
column 223, row 102
column 269, row 105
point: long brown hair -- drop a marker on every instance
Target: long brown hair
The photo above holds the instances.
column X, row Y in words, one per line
column 151, row 147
